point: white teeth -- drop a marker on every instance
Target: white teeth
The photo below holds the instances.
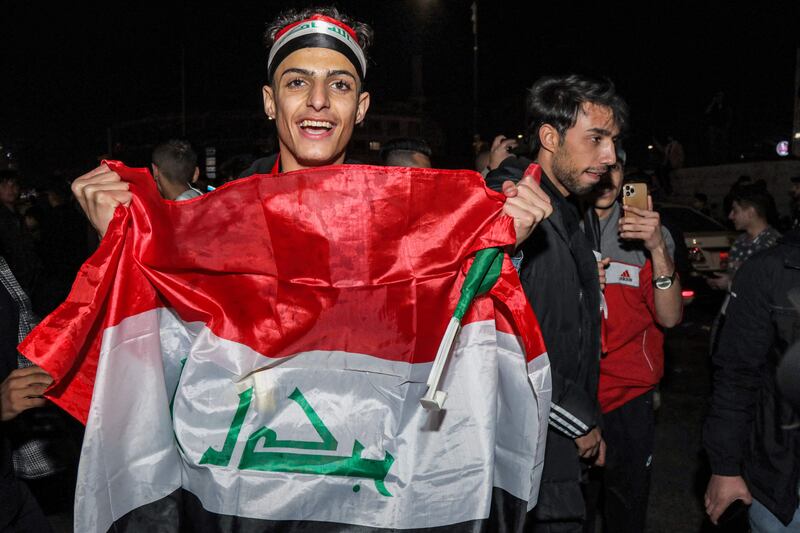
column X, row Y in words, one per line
column 316, row 124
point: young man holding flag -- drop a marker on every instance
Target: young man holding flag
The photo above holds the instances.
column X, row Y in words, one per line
column 252, row 363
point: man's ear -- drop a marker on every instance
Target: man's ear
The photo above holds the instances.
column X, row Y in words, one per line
column 363, row 105
column 196, row 174
column 155, row 171
column 269, row 101
column 549, row 138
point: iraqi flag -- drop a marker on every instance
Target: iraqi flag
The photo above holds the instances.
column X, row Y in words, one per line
column 254, row 359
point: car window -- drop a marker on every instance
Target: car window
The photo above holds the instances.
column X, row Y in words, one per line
column 690, row 221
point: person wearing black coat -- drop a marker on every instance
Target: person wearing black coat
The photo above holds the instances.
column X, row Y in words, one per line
column 19, row 510
column 752, row 433
column 575, row 123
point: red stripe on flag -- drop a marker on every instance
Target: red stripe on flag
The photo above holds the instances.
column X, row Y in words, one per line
column 350, row 258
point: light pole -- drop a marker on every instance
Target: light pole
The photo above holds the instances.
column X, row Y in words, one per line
column 183, row 88
column 474, row 68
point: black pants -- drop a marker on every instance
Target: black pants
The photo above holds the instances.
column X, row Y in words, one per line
column 19, row 511
column 622, row 487
column 561, row 507
column 557, row 527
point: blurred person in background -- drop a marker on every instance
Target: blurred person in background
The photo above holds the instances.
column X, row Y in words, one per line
column 751, row 208
column 25, row 453
column 62, row 246
column 175, row 170
column 16, row 241
column 700, row 203
column 405, row 152
column 794, row 196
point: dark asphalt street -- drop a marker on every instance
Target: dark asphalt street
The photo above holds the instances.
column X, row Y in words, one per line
column 680, row 471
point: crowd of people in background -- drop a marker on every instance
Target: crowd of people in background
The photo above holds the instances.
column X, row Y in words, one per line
column 601, row 276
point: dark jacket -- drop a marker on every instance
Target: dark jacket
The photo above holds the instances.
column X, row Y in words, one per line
column 17, row 246
column 559, row 276
column 264, row 165
column 9, row 489
column 261, row 165
column 750, row 429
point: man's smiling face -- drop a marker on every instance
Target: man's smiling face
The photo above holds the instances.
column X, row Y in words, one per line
column 316, row 101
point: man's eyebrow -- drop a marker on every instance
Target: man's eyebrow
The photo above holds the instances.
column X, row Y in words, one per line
column 295, row 70
column 600, row 131
column 332, row 73
column 306, row 72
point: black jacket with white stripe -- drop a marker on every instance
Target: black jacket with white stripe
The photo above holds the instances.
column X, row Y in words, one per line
column 559, row 276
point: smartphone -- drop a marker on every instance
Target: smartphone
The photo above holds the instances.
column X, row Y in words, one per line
column 635, row 195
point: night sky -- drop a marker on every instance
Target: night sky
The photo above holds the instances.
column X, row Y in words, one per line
column 70, row 70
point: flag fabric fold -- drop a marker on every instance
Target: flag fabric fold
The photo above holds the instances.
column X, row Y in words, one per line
column 254, row 359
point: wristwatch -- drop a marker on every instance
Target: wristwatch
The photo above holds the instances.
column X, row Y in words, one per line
column 664, row 282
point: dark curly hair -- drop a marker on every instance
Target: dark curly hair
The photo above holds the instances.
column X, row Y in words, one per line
column 556, row 100
column 757, row 196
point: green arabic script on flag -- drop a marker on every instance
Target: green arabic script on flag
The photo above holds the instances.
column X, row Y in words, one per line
column 300, row 463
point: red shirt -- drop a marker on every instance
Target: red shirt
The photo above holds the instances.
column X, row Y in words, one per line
column 634, row 360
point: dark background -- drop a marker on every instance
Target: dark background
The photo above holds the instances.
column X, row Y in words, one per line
column 71, row 70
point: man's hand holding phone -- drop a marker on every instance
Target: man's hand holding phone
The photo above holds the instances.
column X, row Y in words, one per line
column 642, row 224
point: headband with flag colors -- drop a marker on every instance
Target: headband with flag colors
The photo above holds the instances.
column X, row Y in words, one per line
column 317, row 31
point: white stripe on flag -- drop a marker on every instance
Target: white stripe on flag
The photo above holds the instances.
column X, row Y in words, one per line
column 443, row 465
column 128, row 460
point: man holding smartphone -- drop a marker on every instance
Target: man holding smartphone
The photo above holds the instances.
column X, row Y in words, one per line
column 643, row 295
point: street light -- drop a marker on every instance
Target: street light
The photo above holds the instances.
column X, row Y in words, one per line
column 474, row 8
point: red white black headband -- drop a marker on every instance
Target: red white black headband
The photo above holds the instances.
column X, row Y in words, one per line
column 317, row 31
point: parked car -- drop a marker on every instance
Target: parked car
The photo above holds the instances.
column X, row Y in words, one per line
column 707, row 241
column 702, row 245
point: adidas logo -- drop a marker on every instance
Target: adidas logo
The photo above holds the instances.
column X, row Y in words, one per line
column 626, row 276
